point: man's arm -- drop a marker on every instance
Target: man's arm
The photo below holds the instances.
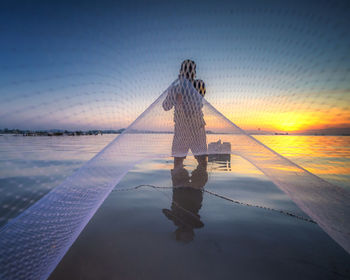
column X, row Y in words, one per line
column 170, row 100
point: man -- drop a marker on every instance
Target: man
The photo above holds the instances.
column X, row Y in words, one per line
column 189, row 129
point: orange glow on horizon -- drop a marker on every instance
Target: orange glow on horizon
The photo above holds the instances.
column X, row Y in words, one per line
column 290, row 115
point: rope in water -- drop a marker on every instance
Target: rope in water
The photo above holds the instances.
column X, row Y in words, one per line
column 228, row 199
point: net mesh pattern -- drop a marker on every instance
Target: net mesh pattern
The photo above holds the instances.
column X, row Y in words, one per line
column 273, row 68
column 41, row 235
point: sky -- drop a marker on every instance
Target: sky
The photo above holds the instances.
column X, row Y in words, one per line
column 268, row 65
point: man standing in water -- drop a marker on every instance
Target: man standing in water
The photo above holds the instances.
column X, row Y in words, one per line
column 189, row 130
column 189, row 133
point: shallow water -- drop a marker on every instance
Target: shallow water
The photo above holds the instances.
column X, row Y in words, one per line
column 251, row 229
column 31, row 166
column 326, row 156
column 147, row 230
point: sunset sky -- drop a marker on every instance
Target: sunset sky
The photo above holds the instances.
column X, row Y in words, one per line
column 267, row 65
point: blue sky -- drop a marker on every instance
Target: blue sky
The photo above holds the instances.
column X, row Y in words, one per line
column 89, row 64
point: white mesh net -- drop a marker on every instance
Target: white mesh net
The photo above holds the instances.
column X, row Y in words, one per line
column 41, row 235
column 265, row 77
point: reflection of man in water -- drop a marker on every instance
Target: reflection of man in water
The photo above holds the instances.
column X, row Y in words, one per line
column 189, row 130
column 187, row 200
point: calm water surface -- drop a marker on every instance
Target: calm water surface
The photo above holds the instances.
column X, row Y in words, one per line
column 147, row 229
column 326, row 156
column 239, row 229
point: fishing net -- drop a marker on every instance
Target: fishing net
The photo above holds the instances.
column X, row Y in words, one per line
column 277, row 78
column 41, row 235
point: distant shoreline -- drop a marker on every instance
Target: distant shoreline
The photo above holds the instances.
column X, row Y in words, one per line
column 50, row 134
column 57, row 132
column 61, row 132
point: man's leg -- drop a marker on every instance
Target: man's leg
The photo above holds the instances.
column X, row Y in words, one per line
column 202, row 161
column 199, row 147
column 178, row 162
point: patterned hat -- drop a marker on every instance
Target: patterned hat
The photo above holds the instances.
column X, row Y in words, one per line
column 199, row 85
column 188, row 69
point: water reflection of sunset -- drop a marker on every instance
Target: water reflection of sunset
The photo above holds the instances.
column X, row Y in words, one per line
column 325, row 156
column 238, row 166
